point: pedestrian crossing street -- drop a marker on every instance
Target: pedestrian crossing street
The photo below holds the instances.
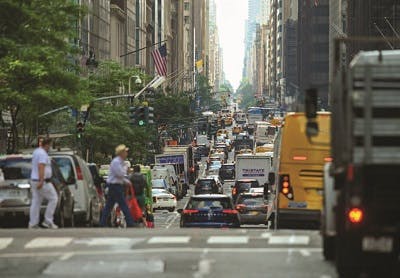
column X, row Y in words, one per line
column 262, row 240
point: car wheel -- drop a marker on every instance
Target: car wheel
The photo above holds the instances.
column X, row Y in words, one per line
column 171, row 209
column 328, row 243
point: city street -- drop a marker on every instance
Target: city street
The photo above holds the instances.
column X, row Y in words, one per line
column 162, row 252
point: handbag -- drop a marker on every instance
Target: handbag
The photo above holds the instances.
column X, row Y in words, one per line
column 133, row 205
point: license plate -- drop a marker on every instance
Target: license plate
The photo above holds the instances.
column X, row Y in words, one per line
column 12, row 193
column 254, row 213
column 165, row 199
column 297, row 204
column 377, row 244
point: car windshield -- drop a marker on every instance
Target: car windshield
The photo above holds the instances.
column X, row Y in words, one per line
column 66, row 168
column 16, row 169
column 158, row 183
column 228, row 167
column 205, row 183
column 159, row 191
column 209, row 203
column 251, row 200
column 248, row 184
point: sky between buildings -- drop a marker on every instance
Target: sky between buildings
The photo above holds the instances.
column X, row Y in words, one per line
column 231, row 16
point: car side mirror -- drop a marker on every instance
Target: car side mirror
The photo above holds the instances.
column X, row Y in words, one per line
column 180, row 211
column 271, row 178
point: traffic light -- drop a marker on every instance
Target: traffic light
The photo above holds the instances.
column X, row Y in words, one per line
column 150, row 115
column 133, row 115
column 80, row 128
column 137, row 115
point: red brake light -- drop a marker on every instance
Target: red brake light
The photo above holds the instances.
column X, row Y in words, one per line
column 230, row 211
column 350, row 172
column 240, row 206
column 190, row 211
column 285, row 190
column 328, row 159
column 300, row 158
column 79, row 173
column 285, row 184
column 355, row 215
column 234, row 191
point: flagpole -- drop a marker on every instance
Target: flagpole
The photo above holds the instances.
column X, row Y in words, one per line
column 140, row 49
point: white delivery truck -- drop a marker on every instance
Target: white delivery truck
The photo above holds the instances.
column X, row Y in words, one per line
column 249, row 166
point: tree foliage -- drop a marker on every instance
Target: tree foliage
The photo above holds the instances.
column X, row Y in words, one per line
column 246, row 92
column 37, row 65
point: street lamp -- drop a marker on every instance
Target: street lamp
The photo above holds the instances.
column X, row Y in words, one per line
column 138, row 81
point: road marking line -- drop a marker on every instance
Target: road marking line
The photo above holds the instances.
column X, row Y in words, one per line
column 168, row 239
column 105, row 241
column 305, row 252
column 5, row 241
column 291, row 240
column 66, row 256
column 47, row 242
column 156, row 251
column 228, row 240
column 172, row 221
column 204, row 269
column 266, row 235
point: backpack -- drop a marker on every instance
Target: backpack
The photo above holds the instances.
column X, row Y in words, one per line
column 138, row 183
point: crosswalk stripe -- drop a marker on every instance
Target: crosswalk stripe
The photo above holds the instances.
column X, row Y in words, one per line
column 107, row 241
column 48, row 242
column 291, row 240
column 168, row 239
column 228, row 240
column 5, row 241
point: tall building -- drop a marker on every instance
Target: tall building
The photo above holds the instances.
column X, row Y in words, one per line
column 313, row 47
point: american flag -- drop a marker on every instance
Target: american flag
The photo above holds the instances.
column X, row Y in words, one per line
column 160, row 59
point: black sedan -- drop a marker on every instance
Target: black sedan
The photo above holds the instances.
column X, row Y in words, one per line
column 209, row 211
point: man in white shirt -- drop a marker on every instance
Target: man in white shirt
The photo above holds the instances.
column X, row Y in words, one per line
column 116, row 180
column 41, row 187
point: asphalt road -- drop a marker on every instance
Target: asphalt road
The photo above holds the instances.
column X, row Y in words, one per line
column 161, row 252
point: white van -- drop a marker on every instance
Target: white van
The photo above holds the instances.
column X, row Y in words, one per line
column 241, row 118
column 264, row 134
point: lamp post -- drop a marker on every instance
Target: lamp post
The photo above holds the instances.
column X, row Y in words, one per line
column 138, row 81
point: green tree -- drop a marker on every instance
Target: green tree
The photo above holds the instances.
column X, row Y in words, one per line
column 108, row 124
column 37, row 65
column 246, row 92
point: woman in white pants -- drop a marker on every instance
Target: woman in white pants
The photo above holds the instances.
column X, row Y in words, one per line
column 42, row 188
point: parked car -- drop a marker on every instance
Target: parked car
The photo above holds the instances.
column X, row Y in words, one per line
column 206, row 186
column 252, row 208
column 245, row 186
column 162, row 199
column 211, row 210
column 15, row 194
column 103, row 171
column 99, row 183
column 88, row 204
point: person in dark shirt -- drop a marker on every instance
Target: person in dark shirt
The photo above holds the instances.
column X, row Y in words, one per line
column 139, row 183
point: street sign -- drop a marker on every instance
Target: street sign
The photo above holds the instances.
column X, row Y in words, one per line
column 6, row 116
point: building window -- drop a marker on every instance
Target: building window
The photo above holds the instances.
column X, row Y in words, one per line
column 187, row 20
column 187, row 6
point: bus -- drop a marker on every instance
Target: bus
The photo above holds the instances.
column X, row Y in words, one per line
column 299, row 170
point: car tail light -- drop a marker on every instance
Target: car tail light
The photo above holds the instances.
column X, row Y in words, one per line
column 79, row 173
column 234, row 191
column 240, row 207
column 230, row 211
column 190, row 211
column 328, row 159
column 355, row 215
column 285, row 186
column 350, row 173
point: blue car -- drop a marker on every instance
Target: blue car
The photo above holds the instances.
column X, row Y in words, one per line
column 209, row 211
